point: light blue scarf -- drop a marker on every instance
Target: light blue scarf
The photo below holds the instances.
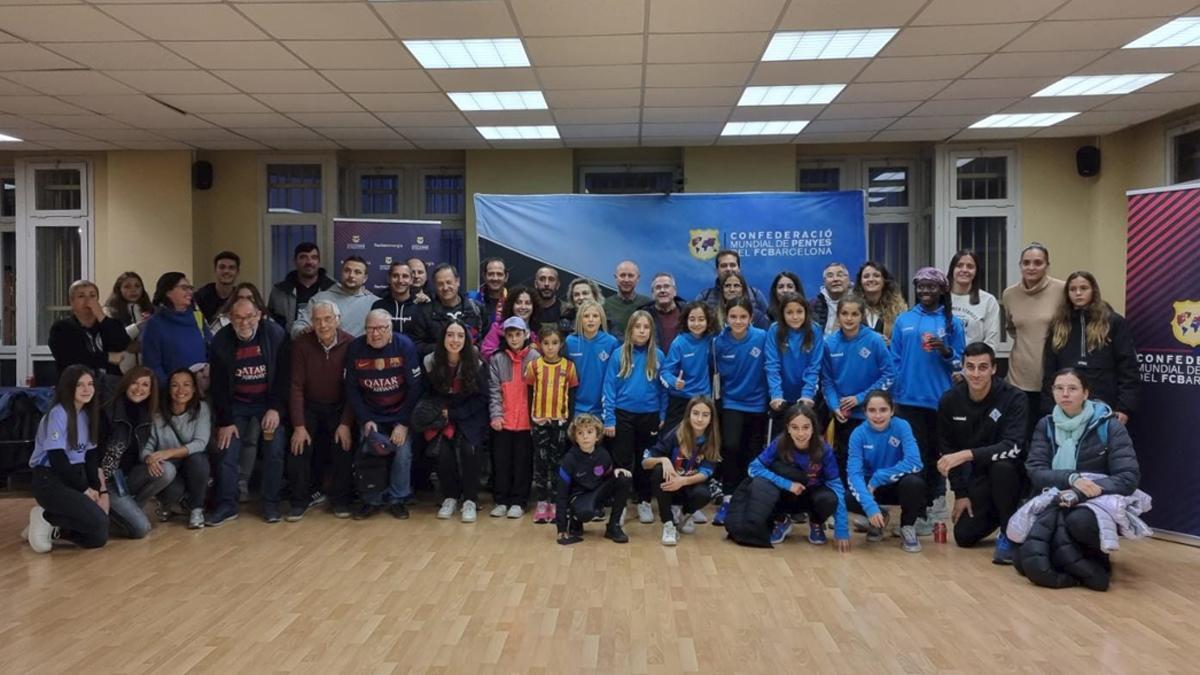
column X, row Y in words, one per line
column 1067, row 433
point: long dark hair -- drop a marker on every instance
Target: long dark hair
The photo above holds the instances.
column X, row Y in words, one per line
column 64, row 395
column 118, row 306
column 165, row 283
column 441, row 375
column 775, row 311
column 510, row 300
column 193, row 405
column 256, row 298
column 1098, row 315
column 786, row 448
column 128, row 379
column 962, row 253
column 724, row 304
column 710, row 318
column 781, row 332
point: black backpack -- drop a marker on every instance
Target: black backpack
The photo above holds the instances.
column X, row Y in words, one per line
column 370, row 473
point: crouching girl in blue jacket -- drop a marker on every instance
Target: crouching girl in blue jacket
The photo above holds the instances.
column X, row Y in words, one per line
column 884, row 467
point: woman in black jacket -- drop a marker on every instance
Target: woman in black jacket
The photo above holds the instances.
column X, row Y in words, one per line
column 125, row 428
column 458, row 379
column 1069, row 442
column 1090, row 337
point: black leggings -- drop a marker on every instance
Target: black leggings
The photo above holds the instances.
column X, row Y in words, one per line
column 924, row 428
column 512, row 467
column 306, row 471
column 690, row 498
column 585, row 505
column 458, row 470
column 742, row 438
column 819, row 502
column 635, row 433
column 995, row 494
column 908, row 492
column 77, row 517
column 841, row 444
column 676, row 406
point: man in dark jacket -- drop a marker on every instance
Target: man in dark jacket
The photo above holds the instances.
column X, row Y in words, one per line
column 211, row 297
column 299, row 286
column 88, row 336
column 980, row 434
column 492, row 293
column 400, row 301
column 249, row 390
column 836, row 284
column 448, row 305
column 729, row 262
column 666, row 310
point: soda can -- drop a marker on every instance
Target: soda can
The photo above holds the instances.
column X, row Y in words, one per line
column 939, row 533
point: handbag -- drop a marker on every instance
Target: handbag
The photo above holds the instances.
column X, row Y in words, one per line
column 370, row 474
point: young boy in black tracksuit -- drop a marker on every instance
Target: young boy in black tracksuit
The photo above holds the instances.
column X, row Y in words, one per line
column 587, row 481
column 980, row 440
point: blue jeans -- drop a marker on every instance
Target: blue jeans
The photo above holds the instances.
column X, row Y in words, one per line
column 400, row 478
column 246, row 419
column 126, row 512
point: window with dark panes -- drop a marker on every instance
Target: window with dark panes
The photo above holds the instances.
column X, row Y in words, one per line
column 628, row 182
column 1187, row 157
column 981, row 178
column 294, row 188
column 887, row 187
column 445, row 194
column 823, row 179
column 380, row 194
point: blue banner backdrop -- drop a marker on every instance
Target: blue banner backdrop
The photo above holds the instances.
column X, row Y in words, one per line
column 381, row 242
column 1162, row 303
column 587, row 235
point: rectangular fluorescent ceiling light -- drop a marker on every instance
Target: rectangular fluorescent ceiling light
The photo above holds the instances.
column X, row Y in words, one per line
column 482, row 53
column 1022, row 120
column 778, row 128
column 9, row 139
column 529, row 133
column 1100, row 85
column 808, row 94
column 468, row 101
column 828, row 44
column 1182, row 32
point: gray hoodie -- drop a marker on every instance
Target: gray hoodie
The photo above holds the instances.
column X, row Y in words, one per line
column 354, row 310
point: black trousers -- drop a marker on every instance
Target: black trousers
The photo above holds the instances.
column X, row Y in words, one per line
column 458, row 470
column 841, row 444
column 77, row 517
column 676, row 406
column 690, row 498
column 995, row 495
column 635, row 433
column 908, row 492
column 819, row 502
column 743, row 436
column 924, row 427
column 1033, row 413
column 191, row 478
column 615, row 491
column 306, row 471
column 512, row 467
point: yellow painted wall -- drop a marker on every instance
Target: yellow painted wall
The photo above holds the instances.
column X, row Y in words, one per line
column 741, row 168
column 226, row 216
column 144, row 214
column 1056, row 203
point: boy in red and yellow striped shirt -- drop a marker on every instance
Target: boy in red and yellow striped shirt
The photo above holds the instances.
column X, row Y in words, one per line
column 553, row 379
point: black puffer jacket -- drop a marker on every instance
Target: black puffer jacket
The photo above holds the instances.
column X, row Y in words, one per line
column 1116, row 458
column 1049, row 557
column 1111, row 370
column 748, row 521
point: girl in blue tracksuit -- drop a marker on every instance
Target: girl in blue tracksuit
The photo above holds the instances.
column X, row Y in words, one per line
column 589, row 348
column 793, row 355
column 681, row 464
column 739, row 352
column 635, row 403
column 856, row 361
column 813, row 484
column 687, row 371
column 885, row 468
column 927, row 342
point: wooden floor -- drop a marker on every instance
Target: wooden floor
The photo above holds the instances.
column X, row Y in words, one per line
column 430, row 596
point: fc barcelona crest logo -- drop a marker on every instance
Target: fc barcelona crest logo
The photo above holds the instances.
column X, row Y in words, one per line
column 1186, row 322
column 704, row 244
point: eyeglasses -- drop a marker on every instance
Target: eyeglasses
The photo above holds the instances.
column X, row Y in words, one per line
column 378, row 329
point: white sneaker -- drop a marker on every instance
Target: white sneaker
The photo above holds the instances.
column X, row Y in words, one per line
column 699, row 518
column 515, row 511
column 689, row 525
column 40, row 533
column 498, row 511
column 196, row 519
column 447, row 510
column 468, row 511
column 669, row 537
column 645, row 513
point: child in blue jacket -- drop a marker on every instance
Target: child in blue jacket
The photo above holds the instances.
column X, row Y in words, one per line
column 800, row 452
column 794, row 352
column 884, row 467
column 589, row 348
column 687, row 371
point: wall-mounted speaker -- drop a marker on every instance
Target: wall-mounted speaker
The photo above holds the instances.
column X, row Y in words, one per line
column 1087, row 161
column 202, row 175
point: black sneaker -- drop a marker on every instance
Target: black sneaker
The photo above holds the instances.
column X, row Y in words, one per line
column 615, row 533
column 399, row 511
column 575, row 526
column 296, row 514
column 366, row 511
column 220, row 516
column 271, row 513
column 316, row 499
column 341, row 511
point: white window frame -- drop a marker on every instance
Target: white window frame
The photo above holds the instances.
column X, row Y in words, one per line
column 1169, row 155
column 894, row 214
column 324, row 219
column 8, row 225
column 949, row 209
column 28, row 221
column 583, row 170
